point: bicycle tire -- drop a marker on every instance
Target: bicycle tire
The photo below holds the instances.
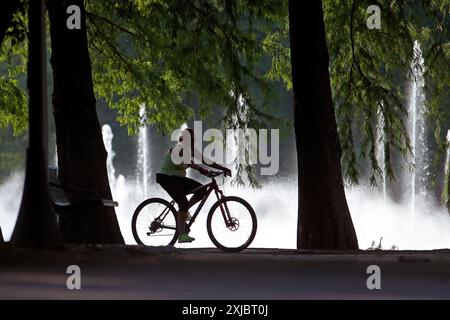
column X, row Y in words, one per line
column 141, row 206
column 254, row 224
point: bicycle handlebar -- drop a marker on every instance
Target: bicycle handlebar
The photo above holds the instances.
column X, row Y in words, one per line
column 213, row 174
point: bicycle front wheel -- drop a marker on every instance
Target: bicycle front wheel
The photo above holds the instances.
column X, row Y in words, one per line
column 154, row 223
column 231, row 224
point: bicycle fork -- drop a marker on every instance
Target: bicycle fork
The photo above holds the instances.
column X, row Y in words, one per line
column 224, row 208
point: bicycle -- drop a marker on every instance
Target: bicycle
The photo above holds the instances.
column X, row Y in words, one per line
column 223, row 223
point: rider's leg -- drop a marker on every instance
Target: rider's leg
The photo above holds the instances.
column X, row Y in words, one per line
column 181, row 222
column 189, row 185
column 174, row 187
column 199, row 195
column 182, row 216
column 182, row 232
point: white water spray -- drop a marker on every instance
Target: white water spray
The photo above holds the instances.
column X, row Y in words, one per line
column 446, row 171
column 447, row 158
column 128, row 193
column 107, row 140
column 276, row 205
column 237, row 145
column 380, row 144
column 417, row 131
column 276, row 208
column 143, row 167
column 231, row 152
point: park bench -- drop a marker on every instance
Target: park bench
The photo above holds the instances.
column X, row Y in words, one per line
column 70, row 201
column 60, row 194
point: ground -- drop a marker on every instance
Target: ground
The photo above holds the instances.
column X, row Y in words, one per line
column 133, row 272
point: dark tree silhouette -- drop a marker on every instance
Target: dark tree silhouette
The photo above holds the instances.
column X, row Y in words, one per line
column 324, row 218
column 81, row 152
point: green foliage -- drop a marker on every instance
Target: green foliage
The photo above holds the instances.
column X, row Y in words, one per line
column 13, row 104
column 174, row 55
column 221, row 56
column 276, row 44
column 12, row 155
column 435, row 36
column 13, row 98
column 169, row 55
column 369, row 70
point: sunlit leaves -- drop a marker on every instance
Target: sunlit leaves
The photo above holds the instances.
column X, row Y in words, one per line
column 372, row 66
column 13, row 98
column 166, row 53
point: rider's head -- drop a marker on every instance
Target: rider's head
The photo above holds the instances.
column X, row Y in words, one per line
column 187, row 134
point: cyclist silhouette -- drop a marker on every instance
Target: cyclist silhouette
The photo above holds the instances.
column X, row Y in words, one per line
column 172, row 178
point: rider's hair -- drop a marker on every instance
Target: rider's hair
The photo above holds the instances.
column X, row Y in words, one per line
column 188, row 131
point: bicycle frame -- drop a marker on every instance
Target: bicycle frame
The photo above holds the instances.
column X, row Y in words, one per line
column 212, row 186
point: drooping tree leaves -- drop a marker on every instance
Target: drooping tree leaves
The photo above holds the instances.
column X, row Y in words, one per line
column 176, row 56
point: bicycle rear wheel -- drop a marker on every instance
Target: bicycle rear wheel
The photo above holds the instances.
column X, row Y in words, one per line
column 231, row 224
column 154, row 223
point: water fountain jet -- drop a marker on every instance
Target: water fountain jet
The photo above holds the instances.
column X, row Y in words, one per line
column 417, row 131
column 143, row 168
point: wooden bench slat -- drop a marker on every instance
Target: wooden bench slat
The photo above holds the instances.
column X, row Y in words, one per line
column 109, row 203
column 61, row 198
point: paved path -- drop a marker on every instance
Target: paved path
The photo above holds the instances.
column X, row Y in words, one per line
column 131, row 272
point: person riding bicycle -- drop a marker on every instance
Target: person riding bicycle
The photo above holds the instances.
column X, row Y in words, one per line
column 172, row 178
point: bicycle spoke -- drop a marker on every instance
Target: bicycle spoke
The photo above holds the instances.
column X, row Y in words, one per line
column 238, row 229
column 155, row 224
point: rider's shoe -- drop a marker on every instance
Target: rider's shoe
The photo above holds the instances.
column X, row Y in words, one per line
column 185, row 238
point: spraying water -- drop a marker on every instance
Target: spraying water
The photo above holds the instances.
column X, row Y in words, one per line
column 447, row 158
column 417, row 131
column 128, row 193
column 380, row 152
column 107, row 140
column 446, row 174
column 276, row 208
column 374, row 215
column 237, row 141
column 231, row 152
column 143, row 169
column 55, row 156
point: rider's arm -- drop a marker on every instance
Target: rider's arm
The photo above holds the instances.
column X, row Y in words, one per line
column 199, row 155
column 198, row 168
column 218, row 166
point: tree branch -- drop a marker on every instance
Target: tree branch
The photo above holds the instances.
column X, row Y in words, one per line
column 92, row 15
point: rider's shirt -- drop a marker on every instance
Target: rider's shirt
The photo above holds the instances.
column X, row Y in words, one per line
column 172, row 169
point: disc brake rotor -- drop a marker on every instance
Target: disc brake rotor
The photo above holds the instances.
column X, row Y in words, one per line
column 234, row 224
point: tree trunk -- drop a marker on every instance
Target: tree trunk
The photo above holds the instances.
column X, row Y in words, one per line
column 324, row 220
column 81, row 152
